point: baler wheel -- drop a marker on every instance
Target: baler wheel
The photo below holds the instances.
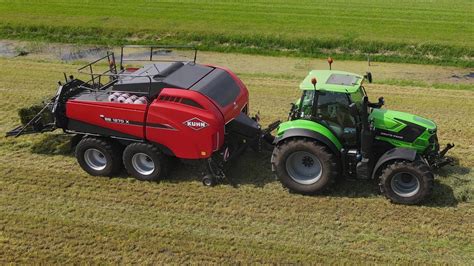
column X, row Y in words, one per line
column 145, row 162
column 209, row 180
column 98, row 157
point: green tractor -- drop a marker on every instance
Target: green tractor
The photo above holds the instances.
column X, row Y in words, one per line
column 333, row 130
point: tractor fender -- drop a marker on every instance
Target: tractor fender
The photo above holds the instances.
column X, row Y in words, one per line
column 394, row 154
column 306, row 133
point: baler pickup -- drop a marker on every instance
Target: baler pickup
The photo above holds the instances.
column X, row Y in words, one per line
column 35, row 119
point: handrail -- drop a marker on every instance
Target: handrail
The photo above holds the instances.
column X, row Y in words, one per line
column 97, row 60
column 112, row 68
column 95, row 81
column 117, row 75
column 152, row 47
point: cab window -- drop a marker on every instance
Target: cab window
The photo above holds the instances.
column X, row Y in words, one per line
column 333, row 108
column 307, row 103
column 357, row 97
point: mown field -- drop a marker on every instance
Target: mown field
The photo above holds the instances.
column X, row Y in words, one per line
column 53, row 212
column 437, row 32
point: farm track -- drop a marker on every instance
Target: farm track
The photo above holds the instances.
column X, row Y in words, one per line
column 53, row 212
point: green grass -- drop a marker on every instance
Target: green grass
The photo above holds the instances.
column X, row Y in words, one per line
column 397, row 82
column 53, row 212
column 412, row 83
column 434, row 32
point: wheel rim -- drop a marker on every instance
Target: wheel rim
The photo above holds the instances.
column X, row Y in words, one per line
column 304, row 167
column 143, row 164
column 405, row 184
column 207, row 181
column 95, row 159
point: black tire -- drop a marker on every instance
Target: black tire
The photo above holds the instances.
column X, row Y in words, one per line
column 145, row 162
column 209, row 180
column 287, row 174
column 98, row 157
column 406, row 182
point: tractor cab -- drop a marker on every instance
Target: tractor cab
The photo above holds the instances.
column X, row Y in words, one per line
column 333, row 99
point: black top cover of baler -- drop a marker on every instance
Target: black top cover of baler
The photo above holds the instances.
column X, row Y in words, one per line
column 162, row 75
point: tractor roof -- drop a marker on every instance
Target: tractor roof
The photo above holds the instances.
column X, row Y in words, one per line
column 332, row 80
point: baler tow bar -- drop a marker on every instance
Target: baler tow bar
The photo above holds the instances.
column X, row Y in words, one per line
column 216, row 167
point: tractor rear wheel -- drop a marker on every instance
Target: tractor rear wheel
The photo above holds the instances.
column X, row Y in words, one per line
column 145, row 162
column 98, row 157
column 406, row 182
column 304, row 166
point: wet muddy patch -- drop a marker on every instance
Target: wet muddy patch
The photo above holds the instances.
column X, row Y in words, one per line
column 71, row 52
column 468, row 76
column 62, row 52
column 76, row 53
column 8, row 49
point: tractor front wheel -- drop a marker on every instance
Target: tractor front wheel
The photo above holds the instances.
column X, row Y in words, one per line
column 406, row 182
column 304, row 166
column 145, row 161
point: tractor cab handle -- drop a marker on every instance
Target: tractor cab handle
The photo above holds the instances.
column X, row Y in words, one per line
column 353, row 109
column 377, row 105
column 381, row 101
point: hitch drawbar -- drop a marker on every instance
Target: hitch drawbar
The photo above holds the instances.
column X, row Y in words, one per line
column 266, row 133
column 446, row 149
column 441, row 160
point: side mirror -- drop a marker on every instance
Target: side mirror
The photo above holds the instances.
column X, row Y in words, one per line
column 353, row 109
column 368, row 77
column 381, row 101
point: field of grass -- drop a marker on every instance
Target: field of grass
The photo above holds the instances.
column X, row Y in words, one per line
column 436, row 32
column 53, row 212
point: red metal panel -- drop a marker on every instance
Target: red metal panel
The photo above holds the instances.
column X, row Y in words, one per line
column 190, row 132
column 125, row 118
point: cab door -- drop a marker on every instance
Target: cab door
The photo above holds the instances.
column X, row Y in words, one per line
column 332, row 108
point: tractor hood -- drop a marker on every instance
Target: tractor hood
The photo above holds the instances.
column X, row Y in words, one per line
column 389, row 119
column 400, row 125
